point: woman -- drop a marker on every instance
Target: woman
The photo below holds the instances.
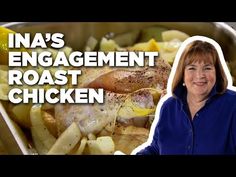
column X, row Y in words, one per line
column 200, row 116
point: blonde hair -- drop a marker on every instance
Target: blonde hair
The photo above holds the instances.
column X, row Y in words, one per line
column 200, row 51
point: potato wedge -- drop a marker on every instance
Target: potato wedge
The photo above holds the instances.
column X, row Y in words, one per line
column 101, row 146
column 66, row 141
column 169, row 56
column 127, row 138
column 82, row 146
column 91, row 44
column 4, row 89
column 50, row 123
column 40, row 147
column 91, row 136
column 174, row 34
column 108, row 45
column 39, row 129
column 21, row 114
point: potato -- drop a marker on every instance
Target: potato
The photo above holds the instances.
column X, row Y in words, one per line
column 66, row 141
column 168, row 56
column 170, row 46
column 101, row 146
column 4, row 89
column 39, row 129
column 119, row 153
column 82, row 146
column 174, row 34
column 91, row 136
column 169, row 49
column 3, row 75
column 21, row 114
column 40, row 147
column 127, row 138
column 91, row 44
column 50, row 123
column 108, row 45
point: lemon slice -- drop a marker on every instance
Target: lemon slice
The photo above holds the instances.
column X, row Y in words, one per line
column 4, row 45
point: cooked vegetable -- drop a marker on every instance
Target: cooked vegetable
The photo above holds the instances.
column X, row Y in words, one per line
column 169, row 49
column 4, row 45
column 91, row 44
column 91, row 136
column 66, row 141
column 21, row 114
column 103, row 145
column 174, row 34
column 127, row 138
column 39, row 145
column 108, row 45
column 42, row 136
column 50, row 123
column 150, row 46
column 139, row 104
column 3, row 75
column 4, row 87
column 169, row 56
column 81, row 148
column 4, row 32
column 170, row 46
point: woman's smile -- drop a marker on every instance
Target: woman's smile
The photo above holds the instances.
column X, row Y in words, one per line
column 199, row 78
column 200, row 84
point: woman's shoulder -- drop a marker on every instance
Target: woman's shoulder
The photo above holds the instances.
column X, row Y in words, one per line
column 230, row 96
column 231, row 91
column 169, row 101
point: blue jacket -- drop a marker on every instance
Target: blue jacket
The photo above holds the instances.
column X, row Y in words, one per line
column 212, row 131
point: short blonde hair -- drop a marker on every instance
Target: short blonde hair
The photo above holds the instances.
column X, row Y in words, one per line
column 200, row 51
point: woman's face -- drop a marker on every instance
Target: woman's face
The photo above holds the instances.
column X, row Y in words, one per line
column 199, row 78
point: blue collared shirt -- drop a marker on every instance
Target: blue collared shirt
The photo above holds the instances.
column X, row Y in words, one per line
column 212, row 130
